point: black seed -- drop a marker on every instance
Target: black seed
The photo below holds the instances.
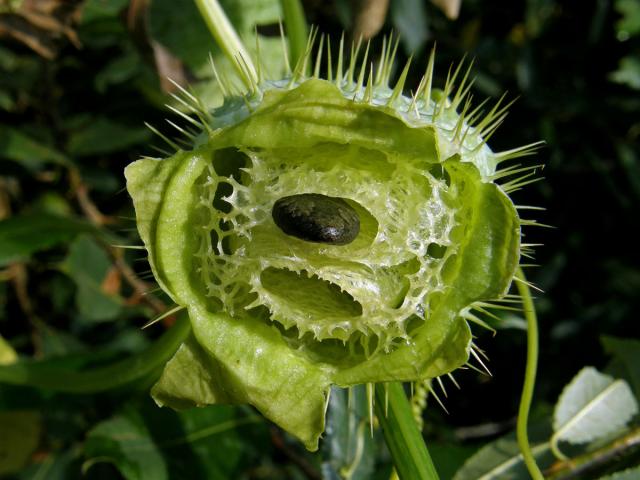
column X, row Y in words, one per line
column 317, row 218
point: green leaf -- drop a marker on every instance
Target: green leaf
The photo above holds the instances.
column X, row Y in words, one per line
column 409, row 18
column 20, row 437
column 629, row 160
column 194, row 49
column 6, row 100
column 629, row 474
column 58, row 343
column 168, row 28
column 20, row 74
column 60, row 465
column 203, row 442
column 102, row 135
column 30, row 153
column 125, row 442
column 448, row 456
column 118, row 71
column 9, row 6
column 297, row 29
column 627, row 352
column 53, row 203
column 88, row 264
column 592, row 406
column 23, row 235
column 502, row 459
column 628, row 72
column 94, row 10
column 7, row 353
column 101, row 26
column 65, row 374
column 211, row 434
column 348, row 446
column 629, row 24
column 8, row 59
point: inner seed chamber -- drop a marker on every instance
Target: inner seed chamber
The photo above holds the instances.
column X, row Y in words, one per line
column 369, row 292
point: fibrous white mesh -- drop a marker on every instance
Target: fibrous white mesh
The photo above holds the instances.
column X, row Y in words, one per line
column 245, row 261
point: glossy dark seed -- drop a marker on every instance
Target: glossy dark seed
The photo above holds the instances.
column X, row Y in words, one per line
column 317, row 218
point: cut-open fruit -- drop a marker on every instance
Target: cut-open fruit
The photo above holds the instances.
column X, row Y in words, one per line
column 277, row 319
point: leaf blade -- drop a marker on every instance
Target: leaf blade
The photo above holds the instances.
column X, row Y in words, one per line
column 22, row 235
column 125, row 442
column 502, row 459
column 593, row 405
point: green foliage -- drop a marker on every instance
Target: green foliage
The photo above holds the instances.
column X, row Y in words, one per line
column 626, row 359
column 100, row 135
column 593, row 410
column 7, row 353
column 96, row 10
column 197, row 49
column 80, row 117
column 501, row 459
column 629, row 474
column 348, row 448
column 628, row 73
column 410, row 20
column 21, row 236
column 592, row 406
column 88, row 265
column 16, row 146
column 125, row 442
column 20, row 437
column 629, row 24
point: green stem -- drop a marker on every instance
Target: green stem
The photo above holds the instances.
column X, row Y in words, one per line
column 405, row 442
column 555, row 449
column 297, row 31
column 580, row 466
column 45, row 375
column 529, row 376
column 228, row 40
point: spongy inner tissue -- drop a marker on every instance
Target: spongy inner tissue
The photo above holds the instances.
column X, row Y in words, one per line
column 380, row 286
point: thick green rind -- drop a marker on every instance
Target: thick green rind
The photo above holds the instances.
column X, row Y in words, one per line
column 491, row 246
column 176, row 229
column 318, row 112
column 146, row 183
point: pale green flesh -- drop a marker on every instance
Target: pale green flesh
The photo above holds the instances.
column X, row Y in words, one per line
column 278, row 320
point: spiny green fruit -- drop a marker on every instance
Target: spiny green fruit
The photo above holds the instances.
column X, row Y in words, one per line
column 279, row 317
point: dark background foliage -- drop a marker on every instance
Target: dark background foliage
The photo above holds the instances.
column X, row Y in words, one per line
column 75, row 91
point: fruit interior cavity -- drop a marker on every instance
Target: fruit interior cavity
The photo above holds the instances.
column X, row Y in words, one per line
column 367, row 294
